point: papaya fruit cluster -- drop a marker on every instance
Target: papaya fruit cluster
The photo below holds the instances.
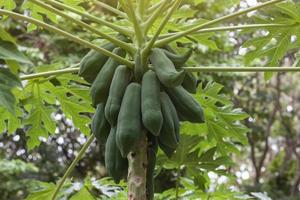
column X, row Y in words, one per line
column 153, row 98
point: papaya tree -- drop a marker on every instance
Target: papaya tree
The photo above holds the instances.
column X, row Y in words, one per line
column 138, row 81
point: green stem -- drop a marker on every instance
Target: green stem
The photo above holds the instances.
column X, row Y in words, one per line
column 147, row 25
column 72, row 166
column 215, row 21
column 177, row 182
column 50, row 73
column 242, row 69
column 231, row 28
column 154, row 7
column 117, row 42
column 123, row 5
column 143, row 4
column 110, row 8
column 160, row 28
column 189, row 69
column 67, row 35
column 124, row 31
column 136, row 24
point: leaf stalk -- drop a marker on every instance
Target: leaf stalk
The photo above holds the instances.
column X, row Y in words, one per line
column 115, row 27
column 67, row 35
column 117, row 42
column 178, row 35
column 189, row 69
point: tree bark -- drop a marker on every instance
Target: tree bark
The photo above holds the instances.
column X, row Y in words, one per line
column 137, row 171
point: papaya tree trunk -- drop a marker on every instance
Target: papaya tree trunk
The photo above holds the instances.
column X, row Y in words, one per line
column 137, row 171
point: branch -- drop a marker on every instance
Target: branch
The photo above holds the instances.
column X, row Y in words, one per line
column 115, row 27
column 117, row 42
column 189, row 69
column 66, row 34
column 231, row 28
column 110, row 8
column 136, row 23
column 215, row 21
column 73, row 164
column 141, row 7
column 154, row 7
column 160, row 28
column 242, row 69
column 50, row 73
column 158, row 12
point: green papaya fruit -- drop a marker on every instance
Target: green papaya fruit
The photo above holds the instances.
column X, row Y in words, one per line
column 188, row 108
column 169, row 48
column 117, row 89
column 178, row 60
column 100, row 87
column 169, row 151
column 115, row 164
column 100, row 127
column 151, row 108
column 190, row 83
column 92, row 63
column 165, row 69
column 169, row 135
column 129, row 126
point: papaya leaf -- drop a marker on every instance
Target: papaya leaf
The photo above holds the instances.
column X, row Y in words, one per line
column 4, row 35
column 39, row 117
column 9, row 51
column 37, row 12
column 276, row 42
column 10, row 122
column 221, row 119
column 42, row 99
column 83, row 194
column 46, row 192
column 8, row 4
column 8, row 81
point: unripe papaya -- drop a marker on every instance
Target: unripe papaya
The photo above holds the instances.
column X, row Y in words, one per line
column 178, row 60
column 115, row 164
column 117, row 89
column 93, row 62
column 190, row 83
column 169, row 151
column 169, row 135
column 187, row 107
column 165, row 69
column 100, row 127
column 151, row 108
column 129, row 126
column 100, row 87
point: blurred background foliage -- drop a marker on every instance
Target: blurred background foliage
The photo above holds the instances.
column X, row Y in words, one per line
column 268, row 167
